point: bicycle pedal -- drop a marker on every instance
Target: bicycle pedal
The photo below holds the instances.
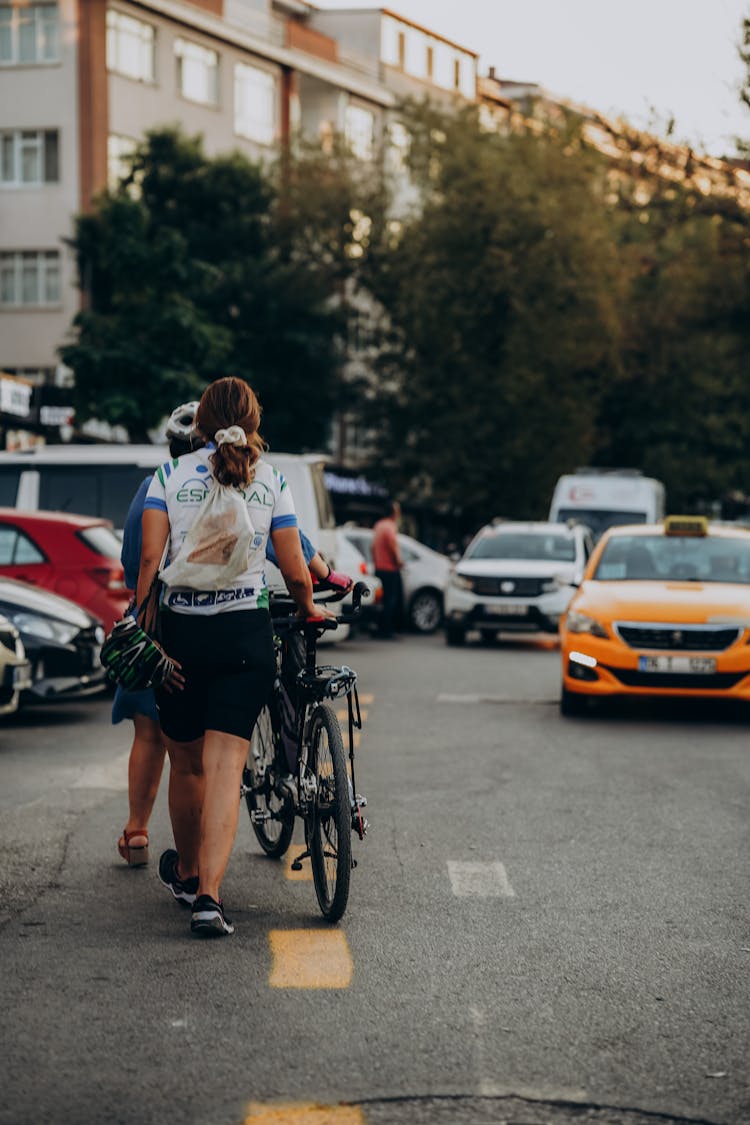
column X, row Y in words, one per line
column 296, row 865
column 361, row 800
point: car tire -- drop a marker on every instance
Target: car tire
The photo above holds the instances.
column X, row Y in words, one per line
column 454, row 635
column 425, row 611
column 572, row 704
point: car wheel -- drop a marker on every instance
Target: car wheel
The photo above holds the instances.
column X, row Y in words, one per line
column 425, row 611
column 572, row 704
column 454, row 635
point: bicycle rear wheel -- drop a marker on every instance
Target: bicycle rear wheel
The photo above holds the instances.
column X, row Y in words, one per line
column 275, row 833
column 329, row 828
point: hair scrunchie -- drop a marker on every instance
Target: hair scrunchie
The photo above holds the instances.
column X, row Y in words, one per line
column 233, row 435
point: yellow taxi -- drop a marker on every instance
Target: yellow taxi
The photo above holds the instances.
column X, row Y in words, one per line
column 663, row 610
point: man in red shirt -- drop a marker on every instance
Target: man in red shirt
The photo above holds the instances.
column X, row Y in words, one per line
column 387, row 561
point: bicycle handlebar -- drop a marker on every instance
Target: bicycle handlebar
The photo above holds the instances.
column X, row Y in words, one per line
column 359, row 591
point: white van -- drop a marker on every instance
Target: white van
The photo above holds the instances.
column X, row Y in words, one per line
column 602, row 498
column 101, row 480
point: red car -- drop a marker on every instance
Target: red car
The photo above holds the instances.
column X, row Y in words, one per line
column 77, row 557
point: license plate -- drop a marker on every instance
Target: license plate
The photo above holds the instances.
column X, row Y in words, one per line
column 507, row 610
column 699, row 665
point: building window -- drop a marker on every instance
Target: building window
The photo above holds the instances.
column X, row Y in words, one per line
column 29, row 34
column 29, row 278
column 402, row 49
column 456, row 74
column 119, row 151
column 254, row 104
column 360, row 131
column 430, row 61
column 131, row 47
column 29, row 157
column 197, row 72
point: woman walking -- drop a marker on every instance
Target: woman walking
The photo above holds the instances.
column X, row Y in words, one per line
column 220, row 637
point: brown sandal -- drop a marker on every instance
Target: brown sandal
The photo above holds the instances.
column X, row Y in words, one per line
column 133, row 856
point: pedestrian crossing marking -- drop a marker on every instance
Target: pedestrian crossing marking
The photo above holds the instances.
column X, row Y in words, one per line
column 301, row 1114
column 310, row 959
column 479, row 880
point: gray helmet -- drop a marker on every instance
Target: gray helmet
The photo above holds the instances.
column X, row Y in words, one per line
column 181, row 423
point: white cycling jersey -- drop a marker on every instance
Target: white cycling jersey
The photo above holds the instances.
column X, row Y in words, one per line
column 179, row 487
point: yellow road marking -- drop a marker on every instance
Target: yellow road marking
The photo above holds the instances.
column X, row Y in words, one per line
column 310, row 959
column 343, row 714
column 302, row 1114
column 366, row 700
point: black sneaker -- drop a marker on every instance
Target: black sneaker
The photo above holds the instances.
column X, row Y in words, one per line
column 184, row 890
column 208, row 918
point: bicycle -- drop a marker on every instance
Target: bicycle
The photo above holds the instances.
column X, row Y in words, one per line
column 296, row 765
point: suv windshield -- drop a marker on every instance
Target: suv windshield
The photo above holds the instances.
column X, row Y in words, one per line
column 600, row 519
column 537, row 546
column 663, row 558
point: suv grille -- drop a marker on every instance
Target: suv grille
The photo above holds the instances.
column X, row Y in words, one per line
column 522, row 587
column 679, row 638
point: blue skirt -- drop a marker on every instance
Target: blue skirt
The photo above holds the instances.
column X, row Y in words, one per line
column 128, row 704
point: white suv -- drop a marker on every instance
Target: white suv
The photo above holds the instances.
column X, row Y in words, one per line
column 515, row 577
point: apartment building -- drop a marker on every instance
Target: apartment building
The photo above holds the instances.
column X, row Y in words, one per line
column 81, row 80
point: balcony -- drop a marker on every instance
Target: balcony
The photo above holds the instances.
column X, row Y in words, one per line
column 312, row 42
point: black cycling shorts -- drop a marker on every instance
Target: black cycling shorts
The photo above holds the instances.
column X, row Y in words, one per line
column 229, row 666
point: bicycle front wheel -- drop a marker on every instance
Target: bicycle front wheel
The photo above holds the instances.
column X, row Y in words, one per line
column 329, row 828
column 275, row 825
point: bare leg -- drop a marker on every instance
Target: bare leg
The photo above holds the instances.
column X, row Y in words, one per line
column 224, row 757
column 186, row 798
column 144, row 774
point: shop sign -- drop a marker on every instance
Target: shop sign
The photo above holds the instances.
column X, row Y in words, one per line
column 15, row 398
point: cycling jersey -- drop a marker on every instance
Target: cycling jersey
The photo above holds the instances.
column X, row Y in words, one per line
column 179, row 487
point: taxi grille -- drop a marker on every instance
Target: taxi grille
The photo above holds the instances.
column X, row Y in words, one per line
column 676, row 638
column 521, row 587
column 710, row 681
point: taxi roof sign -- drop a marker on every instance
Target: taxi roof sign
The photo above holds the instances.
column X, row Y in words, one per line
column 696, row 526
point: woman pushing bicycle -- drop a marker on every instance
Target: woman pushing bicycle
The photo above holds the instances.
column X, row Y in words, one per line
column 213, row 512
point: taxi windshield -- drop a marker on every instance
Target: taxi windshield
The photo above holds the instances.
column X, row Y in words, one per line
column 534, row 545
column 665, row 558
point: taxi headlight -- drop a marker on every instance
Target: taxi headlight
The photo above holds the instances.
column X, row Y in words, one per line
column 581, row 623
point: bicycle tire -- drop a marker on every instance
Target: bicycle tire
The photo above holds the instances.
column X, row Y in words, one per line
column 329, row 825
column 274, row 836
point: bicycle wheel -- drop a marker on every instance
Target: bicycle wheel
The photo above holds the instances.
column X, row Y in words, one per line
column 274, row 834
column 329, row 826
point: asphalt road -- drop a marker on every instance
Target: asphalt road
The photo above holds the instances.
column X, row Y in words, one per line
column 548, row 922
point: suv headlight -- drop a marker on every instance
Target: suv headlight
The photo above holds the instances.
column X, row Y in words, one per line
column 576, row 622
column 46, row 628
column 462, row 582
column 551, row 586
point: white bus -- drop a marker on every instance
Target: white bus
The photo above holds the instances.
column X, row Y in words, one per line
column 602, row 498
column 101, row 480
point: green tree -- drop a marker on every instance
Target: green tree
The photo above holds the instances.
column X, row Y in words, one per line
column 500, row 291
column 189, row 273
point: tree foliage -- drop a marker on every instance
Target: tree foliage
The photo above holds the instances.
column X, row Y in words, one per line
column 190, row 271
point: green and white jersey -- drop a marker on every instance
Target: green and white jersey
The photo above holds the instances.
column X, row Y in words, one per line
column 179, row 487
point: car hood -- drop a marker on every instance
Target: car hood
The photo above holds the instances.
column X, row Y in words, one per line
column 515, row 568
column 34, row 600
column 710, row 603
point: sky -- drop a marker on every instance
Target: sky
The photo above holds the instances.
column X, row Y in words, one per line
column 646, row 60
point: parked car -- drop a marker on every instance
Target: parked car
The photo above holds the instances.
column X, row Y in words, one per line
column 15, row 670
column 515, row 577
column 62, row 641
column 425, row 577
column 663, row 610
column 77, row 557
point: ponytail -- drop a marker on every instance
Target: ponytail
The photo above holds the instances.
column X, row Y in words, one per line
column 229, row 414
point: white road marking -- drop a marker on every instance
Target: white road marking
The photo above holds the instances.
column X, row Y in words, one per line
column 105, row 775
column 479, row 880
column 487, row 1087
column 473, row 698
